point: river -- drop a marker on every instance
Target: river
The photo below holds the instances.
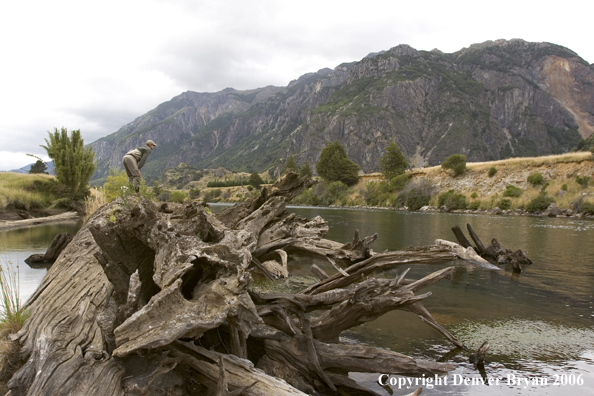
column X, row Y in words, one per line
column 540, row 324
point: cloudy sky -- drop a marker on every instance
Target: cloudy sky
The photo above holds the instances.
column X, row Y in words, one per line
column 96, row 66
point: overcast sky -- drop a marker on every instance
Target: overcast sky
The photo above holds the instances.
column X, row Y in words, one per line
column 96, row 66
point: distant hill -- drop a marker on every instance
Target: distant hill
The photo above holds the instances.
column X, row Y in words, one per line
column 491, row 101
column 27, row 168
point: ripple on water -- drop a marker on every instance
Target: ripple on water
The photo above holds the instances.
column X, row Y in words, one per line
column 527, row 340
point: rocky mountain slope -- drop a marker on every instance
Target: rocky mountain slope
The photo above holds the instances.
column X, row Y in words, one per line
column 490, row 101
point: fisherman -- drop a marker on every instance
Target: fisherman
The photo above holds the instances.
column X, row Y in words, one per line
column 134, row 161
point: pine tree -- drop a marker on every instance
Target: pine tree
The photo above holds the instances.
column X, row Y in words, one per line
column 334, row 165
column 393, row 162
column 305, row 170
column 455, row 162
column 38, row 167
column 73, row 163
column 255, row 180
column 291, row 165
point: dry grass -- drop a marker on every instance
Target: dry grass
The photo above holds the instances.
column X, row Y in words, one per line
column 12, row 318
column 18, row 187
column 97, row 199
column 12, row 314
column 520, row 162
column 531, row 161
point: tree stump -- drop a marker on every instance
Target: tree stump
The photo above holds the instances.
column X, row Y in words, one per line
column 164, row 303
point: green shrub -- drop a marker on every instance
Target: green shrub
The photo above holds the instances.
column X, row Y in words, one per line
column 539, row 203
column 398, row 183
column 373, row 195
column 255, row 180
column 117, row 185
column 177, row 196
column 564, row 187
column 504, row 204
column 238, row 181
column 474, row 205
column 582, row 180
column 307, row 197
column 492, row 171
column 416, row 194
column 194, row 193
column 393, row 162
column 331, row 193
column 334, row 165
column 455, row 162
column 535, row 179
column 587, row 208
column 512, row 191
column 417, row 198
column 474, row 195
column 452, row 200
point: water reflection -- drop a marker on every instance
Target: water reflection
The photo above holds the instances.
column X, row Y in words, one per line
column 17, row 245
column 539, row 323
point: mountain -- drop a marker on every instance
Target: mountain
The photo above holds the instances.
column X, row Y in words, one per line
column 25, row 169
column 494, row 100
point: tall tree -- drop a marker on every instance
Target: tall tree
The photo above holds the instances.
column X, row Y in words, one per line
column 334, row 165
column 73, row 163
column 291, row 165
column 393, row 162
column 455, row 162
column 305, row 170
column 38, row 167
column 255, row 179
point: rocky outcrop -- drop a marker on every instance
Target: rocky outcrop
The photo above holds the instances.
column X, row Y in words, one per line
column 494, row 100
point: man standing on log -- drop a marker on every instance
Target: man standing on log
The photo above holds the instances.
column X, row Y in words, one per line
column 134, row 161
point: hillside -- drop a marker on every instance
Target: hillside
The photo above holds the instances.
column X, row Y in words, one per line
column 490, row 101
column 481, row 190
column 557, row 171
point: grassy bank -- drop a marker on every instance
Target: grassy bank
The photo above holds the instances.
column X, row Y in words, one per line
column 24, row 191
column 483, row 186
column 508, row 184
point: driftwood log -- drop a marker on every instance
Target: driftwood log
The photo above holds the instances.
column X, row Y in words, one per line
column 161, row 303
column 494, row 251
column 58, row 244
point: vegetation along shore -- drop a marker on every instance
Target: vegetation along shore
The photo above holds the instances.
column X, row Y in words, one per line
column 556, row 185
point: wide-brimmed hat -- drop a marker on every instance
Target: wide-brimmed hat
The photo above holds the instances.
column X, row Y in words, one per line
column 150, row 143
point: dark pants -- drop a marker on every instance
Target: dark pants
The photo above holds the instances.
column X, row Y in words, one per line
column 132, row 171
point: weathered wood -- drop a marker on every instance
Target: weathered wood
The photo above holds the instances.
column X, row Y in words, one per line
column 478, row 358
column 460, row 237
column 128, row 302
column 319, row 273
column 13, row 225
column 468, row 254
column 240, row 373
column 493, row 252
column 58, row 244
column 383, row 261
column 479, row 245
column 24, row 214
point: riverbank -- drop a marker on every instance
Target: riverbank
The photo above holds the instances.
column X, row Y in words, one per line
column 563, row 188
column 15, row 224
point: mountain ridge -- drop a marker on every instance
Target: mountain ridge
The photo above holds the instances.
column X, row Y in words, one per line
column 492, row 100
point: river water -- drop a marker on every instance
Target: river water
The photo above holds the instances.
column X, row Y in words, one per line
column 540, row 324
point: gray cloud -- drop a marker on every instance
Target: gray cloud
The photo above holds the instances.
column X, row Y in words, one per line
column 82, row 75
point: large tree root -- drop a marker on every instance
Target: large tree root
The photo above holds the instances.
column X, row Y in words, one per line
column 163, row 303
